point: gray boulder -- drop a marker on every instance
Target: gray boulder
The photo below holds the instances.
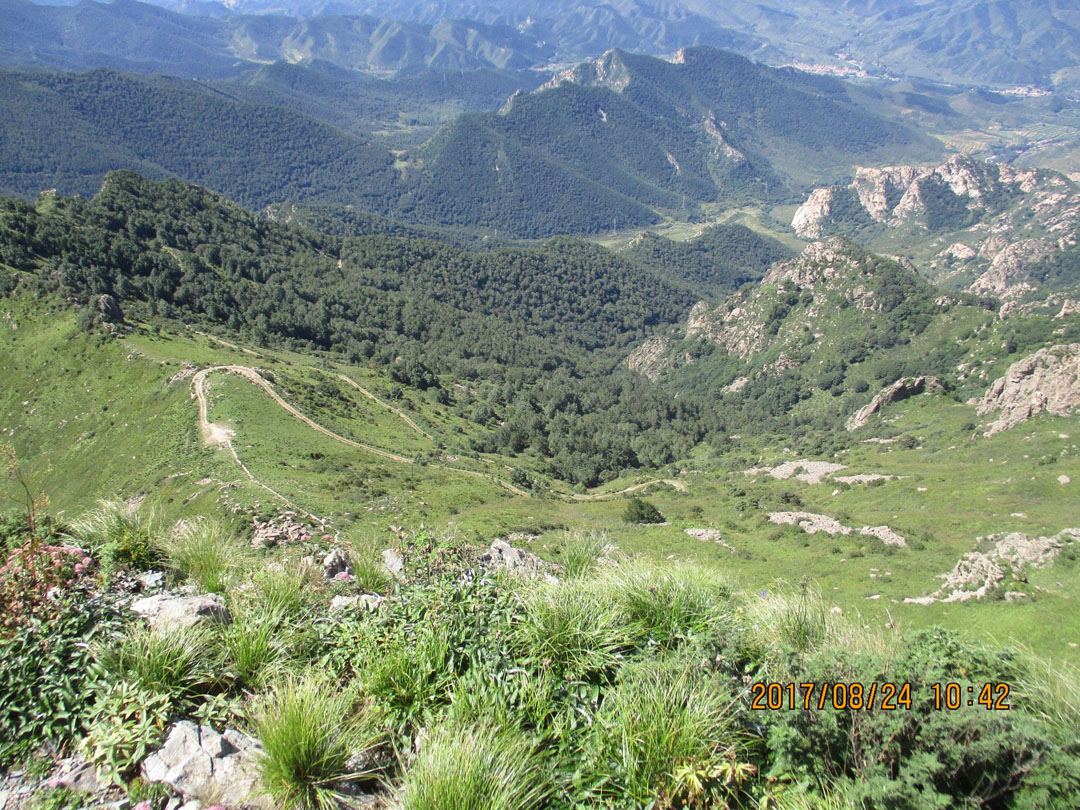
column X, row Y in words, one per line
column 170, row 611
column 202, row 765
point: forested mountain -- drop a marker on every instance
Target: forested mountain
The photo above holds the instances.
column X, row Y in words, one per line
column 66, row 131
column 581, row 156
column 542, row 328
column 611, row 141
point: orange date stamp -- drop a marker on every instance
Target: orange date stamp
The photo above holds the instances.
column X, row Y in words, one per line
column 876, row 696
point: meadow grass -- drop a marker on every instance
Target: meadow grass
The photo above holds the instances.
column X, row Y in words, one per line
column 177, row 661
column 574, row 628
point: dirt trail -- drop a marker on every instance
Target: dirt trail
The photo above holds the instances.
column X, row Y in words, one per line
column 671, row 482
column 250, row 374
column 219, row 434
column 390, row 408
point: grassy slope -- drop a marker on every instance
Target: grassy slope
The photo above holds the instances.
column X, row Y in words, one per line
column 134, row 431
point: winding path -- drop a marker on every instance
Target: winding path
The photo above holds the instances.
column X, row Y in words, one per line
column 214, row 434
column 221, row 435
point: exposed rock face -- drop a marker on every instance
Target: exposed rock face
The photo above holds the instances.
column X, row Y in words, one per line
column 649, row 358
column 897, row 392
column 109, row 309
column 810, row 218
column 393, row 562
column 166, row 611
column 1003, row 219
column 1008, row 268
column 893, row 195
column 812, row 523
column 200, row 764
column 1048, row 380
column 978, row 572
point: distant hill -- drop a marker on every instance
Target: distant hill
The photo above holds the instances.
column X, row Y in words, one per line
column 613, row 141
column 65, row 131
column 143, row 38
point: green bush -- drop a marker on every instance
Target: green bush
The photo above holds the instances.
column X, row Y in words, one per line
column 48, row 674
column 118, row 537
column 574, row 629
column 923, row 757
column 256, row 645
column 667, row 604
column 178, row 662
column 128, row 723
column 641, row 511
column 204, row 552
column 663, row 716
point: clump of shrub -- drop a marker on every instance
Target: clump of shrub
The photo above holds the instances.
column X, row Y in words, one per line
column 206, row 553
column 128, row 723
column 119, row 537
column 639, row 510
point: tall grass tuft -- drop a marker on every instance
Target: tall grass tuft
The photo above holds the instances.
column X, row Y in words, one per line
column 256, row 646
column 119, row 536
column 287, row 590
column 661, row 717
column 475, row 768
column 1050, row 689
column 366, row 565
column 668, row 604
column 573, row 628
column 580, row 551
column 174, row 661
column 793, row 618
column 205, row 552
column 309, row 732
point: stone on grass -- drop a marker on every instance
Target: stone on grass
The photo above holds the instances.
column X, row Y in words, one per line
column 204, row 766
column 166, row 610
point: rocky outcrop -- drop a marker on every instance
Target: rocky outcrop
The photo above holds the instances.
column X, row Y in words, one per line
column 278, row 531
column 1048, row 380
column 170, row 611
column 811, row 217
column 812, row 524
column 202, row 765
column 1002, row 219
column 900, row 390
column 979, row 572
column 503, row 555
column 650, row 358
column 109, row 309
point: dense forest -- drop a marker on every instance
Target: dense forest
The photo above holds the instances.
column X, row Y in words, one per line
column 721, row 259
